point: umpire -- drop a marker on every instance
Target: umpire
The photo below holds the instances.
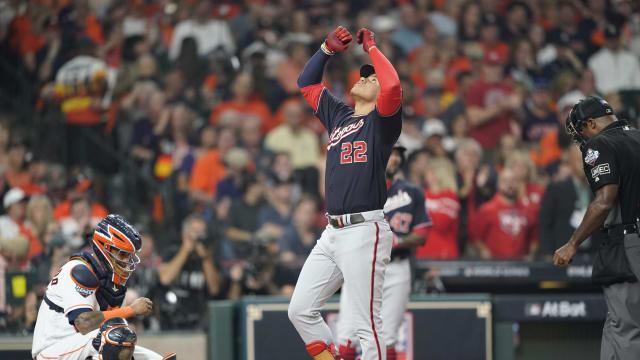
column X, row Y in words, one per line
column 611, row 151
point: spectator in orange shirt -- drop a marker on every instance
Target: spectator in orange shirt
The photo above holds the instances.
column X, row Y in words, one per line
column 552, row 143
column 208, row 140
column 78, row 187
column 243, row 102
column 16, row 172
column 209, row 168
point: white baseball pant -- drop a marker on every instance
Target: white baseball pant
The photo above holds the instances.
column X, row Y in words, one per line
column 79, row 347
column 356, row 255
column 396, row 292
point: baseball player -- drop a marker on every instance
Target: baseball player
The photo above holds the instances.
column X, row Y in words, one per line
column 88, row 290
column 355, row 247
column 407, row 215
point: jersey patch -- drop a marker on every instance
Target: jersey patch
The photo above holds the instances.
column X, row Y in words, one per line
column 599, row 170
column 84, row 292
column 591, row 156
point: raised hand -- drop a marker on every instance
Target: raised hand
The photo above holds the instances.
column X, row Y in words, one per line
column 337, row 41
column 366, row 37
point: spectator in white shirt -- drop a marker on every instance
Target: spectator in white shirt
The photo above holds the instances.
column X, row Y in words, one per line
column 209, row 33
column 614, row 67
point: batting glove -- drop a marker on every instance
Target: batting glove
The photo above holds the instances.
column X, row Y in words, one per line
column 366, row 37
column 337, row 41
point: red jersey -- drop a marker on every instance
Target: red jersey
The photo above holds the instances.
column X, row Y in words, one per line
column 443, row 209
column 505, row 229
column 485, row 95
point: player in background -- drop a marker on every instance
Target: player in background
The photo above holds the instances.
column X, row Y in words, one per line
column 355, row 247
column 405, row 210
column 89, row 289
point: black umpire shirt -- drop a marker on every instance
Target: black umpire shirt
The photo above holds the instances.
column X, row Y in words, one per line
column 613, row 157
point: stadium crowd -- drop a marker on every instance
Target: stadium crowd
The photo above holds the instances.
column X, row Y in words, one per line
column 185, row 117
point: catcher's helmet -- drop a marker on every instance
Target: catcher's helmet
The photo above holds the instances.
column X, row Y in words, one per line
column 590, row 108
column 116, row 244
column 114, row 337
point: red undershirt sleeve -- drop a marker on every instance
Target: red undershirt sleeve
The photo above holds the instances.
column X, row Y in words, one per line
column 390, row 97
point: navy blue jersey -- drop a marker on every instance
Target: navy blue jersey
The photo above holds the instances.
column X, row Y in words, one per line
column 406, row 212
column 357, row 154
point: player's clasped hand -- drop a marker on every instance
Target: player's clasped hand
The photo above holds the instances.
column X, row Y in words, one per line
column 338, row 40
column 366, row 37
column 142, row 306
column 563, row 255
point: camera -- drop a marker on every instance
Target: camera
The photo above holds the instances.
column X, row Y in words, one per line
column 202, row 238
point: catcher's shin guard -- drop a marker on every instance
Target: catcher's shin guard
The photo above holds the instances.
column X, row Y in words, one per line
column 321, row 351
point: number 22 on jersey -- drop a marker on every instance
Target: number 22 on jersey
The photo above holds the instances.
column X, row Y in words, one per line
column 353, row 152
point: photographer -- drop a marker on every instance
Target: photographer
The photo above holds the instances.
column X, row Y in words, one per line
column 263, row 273
column 189, row 276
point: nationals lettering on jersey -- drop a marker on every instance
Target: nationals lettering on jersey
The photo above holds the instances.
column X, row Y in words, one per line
column 341, row 132
column 357, row 154
column 405, row 212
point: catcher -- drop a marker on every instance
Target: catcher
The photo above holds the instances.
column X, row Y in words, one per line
column 88, row 290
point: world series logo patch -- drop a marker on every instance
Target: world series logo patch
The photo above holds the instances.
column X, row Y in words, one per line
column 84, row 292
column 591, row 156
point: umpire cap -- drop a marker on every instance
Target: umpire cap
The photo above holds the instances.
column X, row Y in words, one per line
column 367, row 70
column 592, row 107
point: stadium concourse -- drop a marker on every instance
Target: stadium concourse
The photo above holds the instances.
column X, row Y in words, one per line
column 176, row 113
